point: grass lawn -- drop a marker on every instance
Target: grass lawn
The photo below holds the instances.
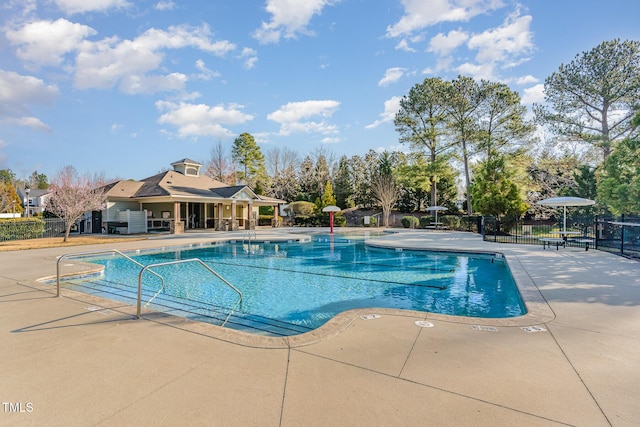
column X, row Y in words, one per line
column 55, row 242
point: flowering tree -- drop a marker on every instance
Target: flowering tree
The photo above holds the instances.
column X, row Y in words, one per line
column 73, row 195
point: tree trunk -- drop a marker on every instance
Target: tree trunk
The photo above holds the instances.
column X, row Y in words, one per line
column 467, row 177
column 66, row 234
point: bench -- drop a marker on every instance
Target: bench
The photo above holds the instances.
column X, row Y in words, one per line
column 587, row 241
column 548, row 241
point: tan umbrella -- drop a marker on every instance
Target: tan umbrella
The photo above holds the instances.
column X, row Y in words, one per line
column 564, row 202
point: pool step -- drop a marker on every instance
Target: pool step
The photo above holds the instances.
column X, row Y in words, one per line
column 190, row 309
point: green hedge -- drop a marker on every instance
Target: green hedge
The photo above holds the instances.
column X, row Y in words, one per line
column 319, row 220
column 266, row 220
column 21, row 229
column 409, row 221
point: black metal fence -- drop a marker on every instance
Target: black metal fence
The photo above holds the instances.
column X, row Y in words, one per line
column 35, row 228
column 618, row 235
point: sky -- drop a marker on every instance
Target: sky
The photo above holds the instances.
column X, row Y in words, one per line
column 124, row 88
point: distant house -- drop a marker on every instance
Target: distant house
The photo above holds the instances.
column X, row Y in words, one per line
column 35, row 202
column 179, row 199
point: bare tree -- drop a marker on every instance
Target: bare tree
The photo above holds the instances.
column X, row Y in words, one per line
column 385, row 190
column 73, row 195
column 281, row 166
column 220, row 166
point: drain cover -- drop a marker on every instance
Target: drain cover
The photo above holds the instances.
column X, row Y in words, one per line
column 484, row 328
column 533, row 329
column 424, row 324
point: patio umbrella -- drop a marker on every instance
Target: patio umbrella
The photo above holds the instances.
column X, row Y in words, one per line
column 564, row 202
column 436, row 209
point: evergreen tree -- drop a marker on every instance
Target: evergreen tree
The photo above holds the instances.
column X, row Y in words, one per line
column 594, row 97
column 343, row 185
column 422, row 122
column 619, row 185
column 246, row 153
column 494, row 192
column 306, row 180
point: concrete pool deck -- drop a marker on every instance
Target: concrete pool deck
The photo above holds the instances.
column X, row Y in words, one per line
column 574, row 361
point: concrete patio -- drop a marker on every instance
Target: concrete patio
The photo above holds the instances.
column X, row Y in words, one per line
column 573, row 360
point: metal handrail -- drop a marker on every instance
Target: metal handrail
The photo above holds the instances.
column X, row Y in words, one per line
column 160, row 264
column 247, row 236
column 102, row 251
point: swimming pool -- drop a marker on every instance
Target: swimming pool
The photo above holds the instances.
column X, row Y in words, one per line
column 294, row 287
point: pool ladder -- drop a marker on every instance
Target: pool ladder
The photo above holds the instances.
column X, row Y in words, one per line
column 184, row 261
column 246, row 240
column 148, row 268
column 103, row 251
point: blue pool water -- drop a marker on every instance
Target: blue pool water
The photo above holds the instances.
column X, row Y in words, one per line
column 291, row 288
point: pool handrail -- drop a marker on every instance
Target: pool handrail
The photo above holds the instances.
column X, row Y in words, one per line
column 183, row 261
column 101, row 251
column 247, row 238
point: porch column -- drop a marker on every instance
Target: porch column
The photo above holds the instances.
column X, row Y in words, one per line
column 178, row 227
column 251, row 223
column 274, row 223
column 233, row 216
column 220, row 220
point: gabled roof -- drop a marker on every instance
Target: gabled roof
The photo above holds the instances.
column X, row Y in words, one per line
column 186, row 161
column 174, row 184
column 124, row 189
column 229, row 192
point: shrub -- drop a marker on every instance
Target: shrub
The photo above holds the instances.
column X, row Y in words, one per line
column 302, row 208
column 267, row 220
column 21, row 229
column 425, row 221
column 410, row 221
column 373, row 221
column 451, row 221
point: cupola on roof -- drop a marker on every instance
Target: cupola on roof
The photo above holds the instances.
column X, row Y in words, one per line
column 187, row 167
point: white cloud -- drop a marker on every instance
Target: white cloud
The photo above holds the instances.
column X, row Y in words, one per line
column 194, row 120
column 392, row 75
column 81, row 6
column 250, row 57
column 18, row 93
column 165, row 5
column 512, row 39
column 205, row 73
column 288, row 18
column 478, row 71
column 404, row 45
column 391, row 107
column 533, row 94
column 104, row 63
column 444, row 44
column 331, row 140
column 503, row 46
column 420, row 14
column 24, row 7
column 46, row 42
column 29, row 122
column 527, row 80
column 133, row 84
column 292, row 117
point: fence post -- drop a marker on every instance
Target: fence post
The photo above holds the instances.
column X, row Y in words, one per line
column 622, row 236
